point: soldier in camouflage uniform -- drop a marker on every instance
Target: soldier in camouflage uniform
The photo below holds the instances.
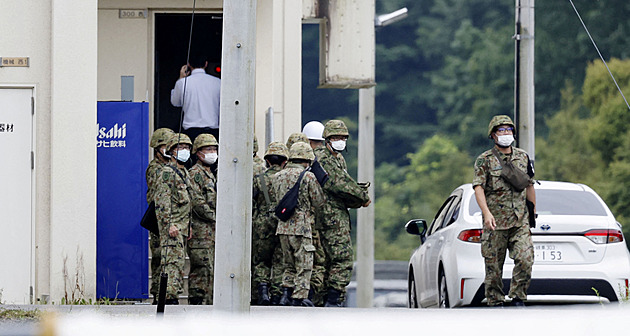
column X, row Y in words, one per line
column 201, row 244
column 295, row 233
column 258, row 169
column 342, row 192
column 317, row 291
column 158, row 142
column 173, row 204
column 505, row 215
column 296, row 137
column 265, row 245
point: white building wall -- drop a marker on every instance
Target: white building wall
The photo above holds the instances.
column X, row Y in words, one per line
column 78, row 50
column 73, row 148
column 26, row 32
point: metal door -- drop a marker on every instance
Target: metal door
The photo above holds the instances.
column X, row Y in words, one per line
column 16, row 224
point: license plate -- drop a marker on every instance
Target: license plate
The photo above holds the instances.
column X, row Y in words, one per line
column 547, row 252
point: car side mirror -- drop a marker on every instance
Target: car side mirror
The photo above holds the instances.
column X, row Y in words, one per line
column 416, row 227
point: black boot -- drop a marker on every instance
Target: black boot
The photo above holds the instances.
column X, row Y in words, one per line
column 302, row 303
column 173, row 302
column 195, row 300
column 285, row 299
column 275, row 300
column 332, row 300
column 263, row 294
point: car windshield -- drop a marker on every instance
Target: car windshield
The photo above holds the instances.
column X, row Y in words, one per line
column 560, row 202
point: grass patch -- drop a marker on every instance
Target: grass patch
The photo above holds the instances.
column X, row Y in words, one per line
column 19, row 315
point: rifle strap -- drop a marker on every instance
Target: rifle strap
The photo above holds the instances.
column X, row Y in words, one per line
column 263, row 187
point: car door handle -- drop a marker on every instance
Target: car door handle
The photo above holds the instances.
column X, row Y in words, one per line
column 441, row 240
column 429, row 245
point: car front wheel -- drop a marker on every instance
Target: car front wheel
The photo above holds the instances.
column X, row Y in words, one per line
column 413, row 300
column 443, row 292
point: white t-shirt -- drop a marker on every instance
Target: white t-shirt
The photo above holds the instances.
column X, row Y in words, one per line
column 201, row 104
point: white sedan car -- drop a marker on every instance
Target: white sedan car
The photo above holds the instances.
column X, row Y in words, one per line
column 579, row 249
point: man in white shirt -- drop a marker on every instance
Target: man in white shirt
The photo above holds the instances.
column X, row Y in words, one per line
column 201, row 100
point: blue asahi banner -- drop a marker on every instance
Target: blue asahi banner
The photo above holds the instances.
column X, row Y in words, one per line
column 122, row 156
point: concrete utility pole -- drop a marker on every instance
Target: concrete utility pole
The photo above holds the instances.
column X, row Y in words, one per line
column 365, row 216
column 365, row 172
column 524, row 109
column 232, row 275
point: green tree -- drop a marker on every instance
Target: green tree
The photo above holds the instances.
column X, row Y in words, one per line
column 416, row 191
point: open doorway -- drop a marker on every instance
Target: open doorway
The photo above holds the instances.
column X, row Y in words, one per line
column 172, row 33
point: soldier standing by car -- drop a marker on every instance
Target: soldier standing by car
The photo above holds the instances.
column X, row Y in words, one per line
column 203, row 224
column 502, row 200
column 158, row 142
column 342, row 192
column 267, row 254
column 173, row 204
column 295, row 233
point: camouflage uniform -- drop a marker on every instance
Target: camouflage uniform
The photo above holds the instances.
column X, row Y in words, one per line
column 342, row 192
column 335, row 218
column 152, row 175
column 512, row 230
column 258, row 169
column 173, row 205
column 203, row 225
column 266, row 246
column 295, row 234
column 160, row 137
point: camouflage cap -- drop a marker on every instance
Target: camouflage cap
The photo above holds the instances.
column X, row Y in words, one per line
column 335, row 127
column 277, row 148
column 203, row 140
column 296, row 137
column 499, row 120
column 177, row 138
column 255, row 144
column 160, row 137
column 301, row 150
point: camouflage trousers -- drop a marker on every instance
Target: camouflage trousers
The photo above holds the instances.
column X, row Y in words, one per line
column 319, row 270
column 201, row 275
column 277, row 271
column 494, row 244
column 338, row 247
column 173, row 257
column 297, row 252
column 263, row 248
column 155, row 246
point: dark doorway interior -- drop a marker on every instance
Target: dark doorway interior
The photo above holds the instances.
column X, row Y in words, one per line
column 171, row 47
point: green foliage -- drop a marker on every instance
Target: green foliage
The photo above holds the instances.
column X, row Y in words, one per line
column 415, row 191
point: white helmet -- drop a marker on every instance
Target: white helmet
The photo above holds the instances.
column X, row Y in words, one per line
column 314, row 130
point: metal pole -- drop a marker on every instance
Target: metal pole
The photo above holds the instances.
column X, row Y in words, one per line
column 526, row 99
column 232, row 275
column 269, row 136
column 365, row 216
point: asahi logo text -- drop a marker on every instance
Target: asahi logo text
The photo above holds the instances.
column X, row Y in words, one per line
column 112, row 137
column 115, row 132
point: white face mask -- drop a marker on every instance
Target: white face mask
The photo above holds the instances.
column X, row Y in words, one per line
column 209, row 158
column 338, row 145
column 505, row 140
column 183, row 155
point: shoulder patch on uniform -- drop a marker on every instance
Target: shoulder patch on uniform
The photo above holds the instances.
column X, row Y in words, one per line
column 198, row 178
column 166, row 175
column 480, row 161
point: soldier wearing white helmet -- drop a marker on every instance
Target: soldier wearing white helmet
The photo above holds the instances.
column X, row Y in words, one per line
column 314, row 132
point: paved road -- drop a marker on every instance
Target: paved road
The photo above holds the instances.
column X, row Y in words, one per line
column 574, row 320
